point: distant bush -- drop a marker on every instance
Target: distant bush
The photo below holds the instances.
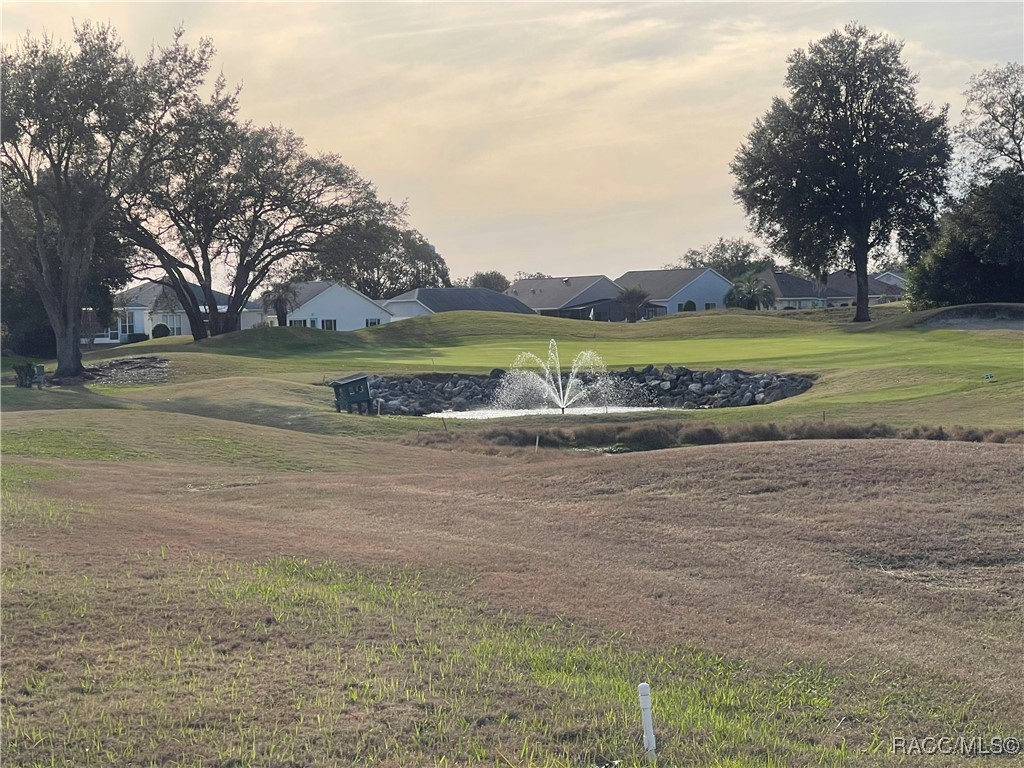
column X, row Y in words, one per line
column 161, row 331
column 131, row 338
column 689, row 306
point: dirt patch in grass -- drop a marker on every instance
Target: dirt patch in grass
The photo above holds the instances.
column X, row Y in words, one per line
column 143, row 370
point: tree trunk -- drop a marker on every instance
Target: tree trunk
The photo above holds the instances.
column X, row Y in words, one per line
column 69, row 350
column 860, row 268
column 230, row 322
column 62, row 300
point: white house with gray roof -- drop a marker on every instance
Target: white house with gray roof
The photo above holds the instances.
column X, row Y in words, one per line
column 332, row 307
column 141, row 307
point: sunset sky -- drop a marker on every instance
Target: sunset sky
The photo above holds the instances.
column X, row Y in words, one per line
column 567, row 138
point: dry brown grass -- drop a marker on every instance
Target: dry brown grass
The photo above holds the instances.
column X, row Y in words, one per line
column 902, row 556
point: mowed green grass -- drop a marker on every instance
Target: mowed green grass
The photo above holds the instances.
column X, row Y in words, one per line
column 891, row 372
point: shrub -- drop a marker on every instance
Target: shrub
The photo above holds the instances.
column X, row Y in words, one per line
column 689, row 306
column 596, row 435
column 645, row 437
column 706, row 435
column 755, row 433
column 161, row 331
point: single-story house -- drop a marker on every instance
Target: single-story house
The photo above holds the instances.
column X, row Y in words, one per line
column 428, row 301
column 143, row 306
column 795, row 292
column 879, row 291
column 899, row 279
column 332, row 307
column 580, row 297
column 669, row 290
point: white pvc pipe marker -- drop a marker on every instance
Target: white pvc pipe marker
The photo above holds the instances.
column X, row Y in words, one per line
column 645, row 714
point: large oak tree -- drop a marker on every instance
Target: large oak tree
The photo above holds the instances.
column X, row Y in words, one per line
column 848, row 162
column 236, row 208
column 83, row 126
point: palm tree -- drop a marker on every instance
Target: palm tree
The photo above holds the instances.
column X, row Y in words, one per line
column 633, row 299
column 280, row 298
column 750, row 292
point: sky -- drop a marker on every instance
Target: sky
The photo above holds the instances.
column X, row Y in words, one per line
column 567, row 138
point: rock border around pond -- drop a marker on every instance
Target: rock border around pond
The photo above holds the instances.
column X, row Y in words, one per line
column 666, row 386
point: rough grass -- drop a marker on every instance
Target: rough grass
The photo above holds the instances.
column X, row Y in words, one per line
column 147, row 438
column 288, row 662
column 789, row 607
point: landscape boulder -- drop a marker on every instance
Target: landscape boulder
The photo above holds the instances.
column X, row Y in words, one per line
column 666, row 386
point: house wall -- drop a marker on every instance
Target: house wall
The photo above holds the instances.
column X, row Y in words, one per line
column 179, row 325
column 143, row 321
column 813, row 302
column 708, row 288
column 406, row 308
column 137, row 324
column 799, row 303
column 177, row 322
column 348, row 309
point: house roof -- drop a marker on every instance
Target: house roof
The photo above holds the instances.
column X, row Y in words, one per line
column 148, row 294
column 787, row 286
column 455, row 299
column 661, row 284
column 555, row 292
column 307, row 291
column 845, row 280
column 897, row 275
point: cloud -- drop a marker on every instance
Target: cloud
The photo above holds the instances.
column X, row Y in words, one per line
column 522, row 133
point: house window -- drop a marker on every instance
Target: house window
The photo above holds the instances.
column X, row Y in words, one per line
column 297, row 323
column 709, row 305
column 173, row 323
column 329, row 325
column 372, row 321
column 679, row 307
column 124, row 325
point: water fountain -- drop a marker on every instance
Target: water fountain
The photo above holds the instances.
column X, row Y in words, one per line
column 538, row 386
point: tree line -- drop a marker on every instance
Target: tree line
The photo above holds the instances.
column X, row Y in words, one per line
column 851, row 167
column 115, row 168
